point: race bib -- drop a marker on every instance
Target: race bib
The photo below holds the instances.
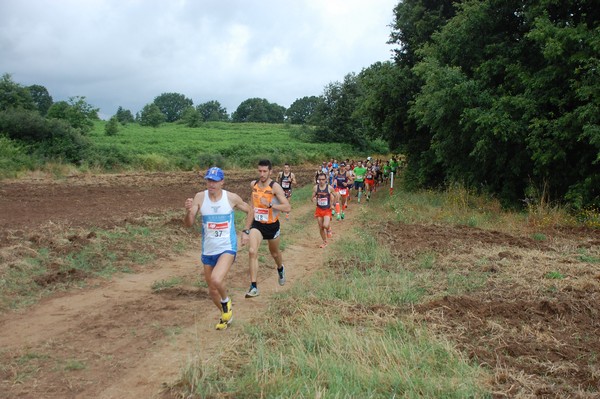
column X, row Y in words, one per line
column 343, row 191
column 285, row 184
column 322, row 201
column 220, row 229
column 261, row 214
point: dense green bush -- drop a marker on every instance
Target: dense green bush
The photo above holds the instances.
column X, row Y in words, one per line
column 46, row 139
column 109, row 157
column 13, row 158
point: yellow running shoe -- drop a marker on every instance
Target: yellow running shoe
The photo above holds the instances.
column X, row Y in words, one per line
column 226, row 312
column 222, row 325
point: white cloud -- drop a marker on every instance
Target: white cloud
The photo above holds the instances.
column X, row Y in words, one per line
column 126, row 52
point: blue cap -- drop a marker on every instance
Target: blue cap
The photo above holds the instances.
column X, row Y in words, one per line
column 214, row 174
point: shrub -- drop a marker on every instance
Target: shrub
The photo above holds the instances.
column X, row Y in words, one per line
column 152, row 162
column 112, row 127
column 13, row 158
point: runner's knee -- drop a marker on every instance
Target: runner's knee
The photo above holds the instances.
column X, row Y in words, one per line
column 253, row 252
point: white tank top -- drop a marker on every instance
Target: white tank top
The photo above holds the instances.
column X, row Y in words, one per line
column 218, row 226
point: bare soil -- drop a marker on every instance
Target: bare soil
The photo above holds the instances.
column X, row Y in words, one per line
column 537, row 334
column 119, row 339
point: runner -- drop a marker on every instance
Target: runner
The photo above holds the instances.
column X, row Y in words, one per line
column 219, row 240
column 324, row 196
column 342, row 182
column 268, row 199
column 394, row 165
column 369, row 180
column 351, row 177
column 386, row 172
column 359, row 179
column 286, row 180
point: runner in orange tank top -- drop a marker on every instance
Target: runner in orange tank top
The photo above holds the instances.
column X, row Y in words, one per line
column 268, row 200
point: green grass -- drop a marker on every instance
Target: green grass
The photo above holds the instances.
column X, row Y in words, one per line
column 554, row 275
column 175, row 146
column 350, row 335
column 162, row 285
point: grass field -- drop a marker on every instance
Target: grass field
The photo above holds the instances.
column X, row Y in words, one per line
column 176, row 146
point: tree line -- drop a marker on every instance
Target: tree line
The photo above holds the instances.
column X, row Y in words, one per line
column 501, row 96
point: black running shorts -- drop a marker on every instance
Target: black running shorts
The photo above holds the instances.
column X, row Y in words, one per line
column 269, row 231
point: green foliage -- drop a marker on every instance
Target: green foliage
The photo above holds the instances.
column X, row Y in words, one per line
column 124, row 116
column 13, row 158
column 302, row 110
column 151, row 115
column 415, row 21
column 13, row 95
column 152, row 162
column 41, row 97
column 162, row 285
column 554, row 275
column 65, row 144
column 77, row 112
column 26, row 125
column 499, row 95
column 110, row 157
column 172, row 105
column 112, row 127
column 191, row 117
column 335, row 115
column 46, row 139
column 214, row 143
column 258, row 110
column 212, row 111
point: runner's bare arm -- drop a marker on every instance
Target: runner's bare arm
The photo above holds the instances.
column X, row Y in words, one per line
column 293, row 178
column 314, row 196
column 284, row 204
column 192, row 207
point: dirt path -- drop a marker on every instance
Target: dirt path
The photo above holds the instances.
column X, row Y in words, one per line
column 122, row 340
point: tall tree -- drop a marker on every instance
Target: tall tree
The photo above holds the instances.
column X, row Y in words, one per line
column 172, row 105
column 508, row 95
column 258, row 110
column 77, row 112
column 301, row 110
column 124, row 116
column 112, row 126
column 151, row 115
column 14, row 95
column 41, row 97
column 336, row 115
column 212, row 111
column 191, row 117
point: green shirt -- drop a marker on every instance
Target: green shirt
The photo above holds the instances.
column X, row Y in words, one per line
column 360, row 173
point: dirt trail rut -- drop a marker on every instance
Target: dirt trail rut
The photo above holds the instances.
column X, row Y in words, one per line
column 119, row 339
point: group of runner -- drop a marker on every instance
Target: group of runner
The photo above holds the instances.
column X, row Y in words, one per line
column 334, row 183
column 219, row 238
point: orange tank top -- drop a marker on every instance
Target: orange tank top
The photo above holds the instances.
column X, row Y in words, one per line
column 262, row 213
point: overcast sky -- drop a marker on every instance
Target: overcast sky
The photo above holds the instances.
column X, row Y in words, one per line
column 127, row 52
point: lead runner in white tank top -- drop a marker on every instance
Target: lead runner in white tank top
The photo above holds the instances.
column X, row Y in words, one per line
column 218, row 226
